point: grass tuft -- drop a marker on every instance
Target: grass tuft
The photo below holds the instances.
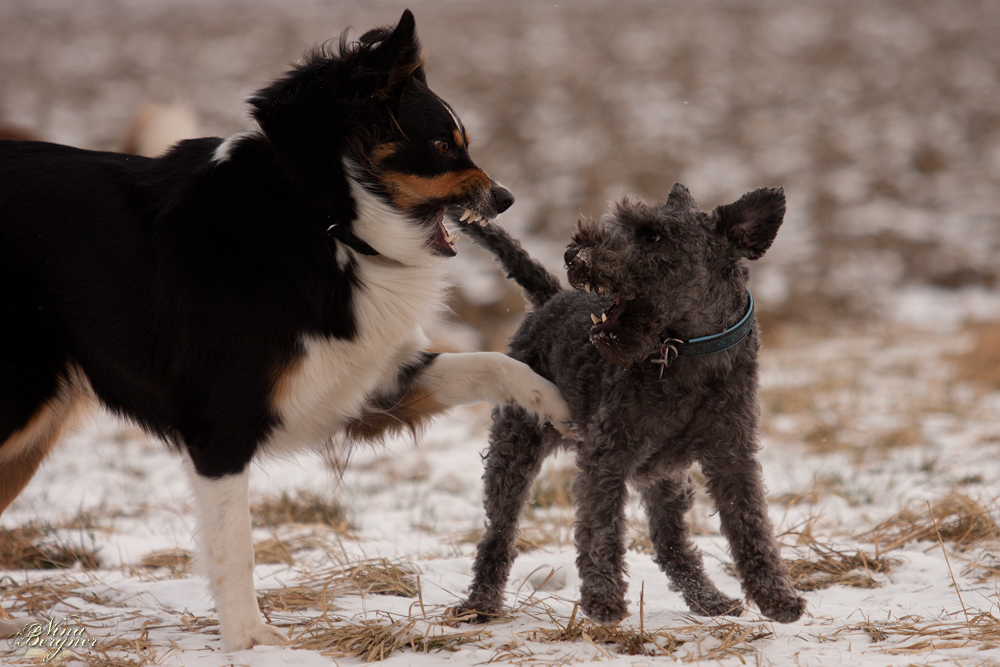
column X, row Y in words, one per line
column 960, row 520
column 305, row 508
column 378, row 639
column 33, row 547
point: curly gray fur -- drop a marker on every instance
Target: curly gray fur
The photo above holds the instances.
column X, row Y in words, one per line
column 666, row 269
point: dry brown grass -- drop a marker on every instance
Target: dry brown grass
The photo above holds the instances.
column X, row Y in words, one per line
column 34, row 547
column 534, row 534
column 305, row 508
column 296, row 598
column 177, row 561
column 956, row 518
column 378, row 576
column 625, row 639
column 981, row 364
column 554, row 488
column 916, row 635
column 378, row 639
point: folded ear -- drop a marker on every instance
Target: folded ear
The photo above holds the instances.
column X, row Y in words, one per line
column 752, row 222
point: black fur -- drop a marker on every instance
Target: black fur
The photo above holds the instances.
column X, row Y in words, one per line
column 669, row 270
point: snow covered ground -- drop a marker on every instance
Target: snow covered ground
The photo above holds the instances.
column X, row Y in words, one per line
column 881, row 370
column 859, row 428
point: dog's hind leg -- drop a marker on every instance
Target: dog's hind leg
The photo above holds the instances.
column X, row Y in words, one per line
column 517, row 449
column 227, row 559
column 736, row 485
column 667, row 501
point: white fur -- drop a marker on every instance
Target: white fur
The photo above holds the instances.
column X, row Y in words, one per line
column 226, row 558
column 471, row 377
column 392, row 233
column 225, row 149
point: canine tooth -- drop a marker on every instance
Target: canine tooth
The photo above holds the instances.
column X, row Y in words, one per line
column 604, row 317
column 586, row 286
column 465, row 215
column 484, row 222
column 594, row 318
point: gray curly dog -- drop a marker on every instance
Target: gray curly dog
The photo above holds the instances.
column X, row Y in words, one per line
column 664, row 377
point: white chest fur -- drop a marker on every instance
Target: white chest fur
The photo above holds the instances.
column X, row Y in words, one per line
column 331, row 382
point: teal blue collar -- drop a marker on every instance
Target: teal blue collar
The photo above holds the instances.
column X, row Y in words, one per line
column 671, row 348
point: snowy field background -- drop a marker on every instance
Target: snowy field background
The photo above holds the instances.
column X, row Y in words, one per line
column 879, row 303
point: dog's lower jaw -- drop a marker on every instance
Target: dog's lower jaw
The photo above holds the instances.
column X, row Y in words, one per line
column 227, row 560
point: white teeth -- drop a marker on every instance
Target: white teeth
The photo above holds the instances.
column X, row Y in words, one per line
column 451, row 239
column 586, row 286
column 466, row 215
column 484, row 222
column 601, row 290
column 594, row 319
column 476, row 217
column 604, row 317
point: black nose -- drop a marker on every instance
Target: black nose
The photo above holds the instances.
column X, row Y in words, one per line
column 571, row 253
column 502, row 197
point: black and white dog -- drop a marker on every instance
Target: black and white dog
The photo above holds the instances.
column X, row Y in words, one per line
column 254, row 295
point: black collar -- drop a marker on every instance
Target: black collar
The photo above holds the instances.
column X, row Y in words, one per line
column 344, row 234
column 671, row 348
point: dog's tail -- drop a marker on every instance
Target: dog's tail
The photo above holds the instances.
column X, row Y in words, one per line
column 539, row 285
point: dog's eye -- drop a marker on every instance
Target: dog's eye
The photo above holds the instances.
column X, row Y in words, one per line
column 442, row 147
column 651, row 236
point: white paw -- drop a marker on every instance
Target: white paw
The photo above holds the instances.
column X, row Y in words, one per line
column 10, row 626
column 246, row 637
column 548, row 404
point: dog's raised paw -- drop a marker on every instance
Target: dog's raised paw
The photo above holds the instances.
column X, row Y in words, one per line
column 246, row 637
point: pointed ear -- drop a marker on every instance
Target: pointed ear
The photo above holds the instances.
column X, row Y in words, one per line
column 396, row 54
column 680, row 198
column 752, row 222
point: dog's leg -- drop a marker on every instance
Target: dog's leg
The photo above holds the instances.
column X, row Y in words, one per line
column 514, row 458
column 470, row 377
column 667, row 501
column 737, row 487
column 601, row 495
column 226, row 555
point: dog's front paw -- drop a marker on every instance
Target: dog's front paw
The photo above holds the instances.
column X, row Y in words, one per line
column 604, row 612
column 546, row 402
column 467, row 612
column 247, row 636
column 785, row 609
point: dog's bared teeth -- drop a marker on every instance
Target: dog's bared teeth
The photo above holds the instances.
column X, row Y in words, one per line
column 484, row 222
column 586, row 286
column 466, row 215
column 594, row 319
column 604, row 317
column 476, row 217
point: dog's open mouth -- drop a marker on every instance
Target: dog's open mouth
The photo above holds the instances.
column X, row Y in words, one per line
column 441, row 241
column 609, row 318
